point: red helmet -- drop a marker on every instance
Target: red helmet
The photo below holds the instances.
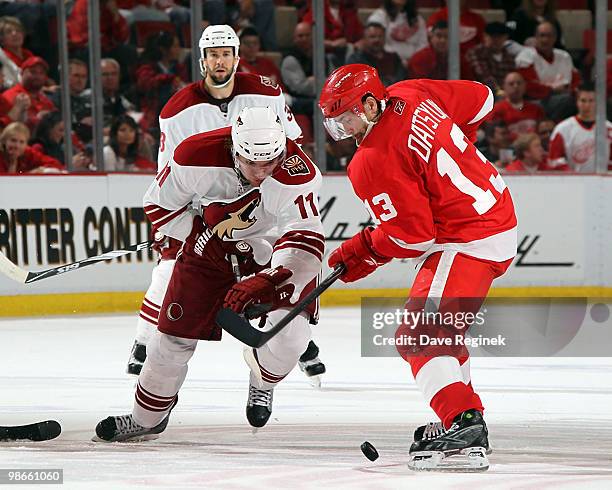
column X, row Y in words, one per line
column 345, row 88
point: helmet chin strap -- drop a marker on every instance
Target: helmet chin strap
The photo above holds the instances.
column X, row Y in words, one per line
column 224, row 84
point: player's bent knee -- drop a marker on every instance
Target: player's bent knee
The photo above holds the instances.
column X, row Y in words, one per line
column 293, row 340
column 167, row 349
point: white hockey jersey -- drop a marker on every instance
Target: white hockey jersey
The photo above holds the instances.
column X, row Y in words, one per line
column 192, row 110
column 280, row 219
column 572, row 143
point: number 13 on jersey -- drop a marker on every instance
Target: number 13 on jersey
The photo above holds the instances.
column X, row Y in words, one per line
column 382, row 209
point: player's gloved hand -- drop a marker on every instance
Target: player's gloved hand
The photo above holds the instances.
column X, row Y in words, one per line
column 159, row 241
column 208, row 245
column 358, row 256
column 262, row 288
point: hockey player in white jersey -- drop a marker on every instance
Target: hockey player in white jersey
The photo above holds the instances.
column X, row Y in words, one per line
column 257, row 192
column 204, row 106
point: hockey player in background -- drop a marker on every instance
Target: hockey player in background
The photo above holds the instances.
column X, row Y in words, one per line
column 257, row 193
column 434, row 197
column 203, row 106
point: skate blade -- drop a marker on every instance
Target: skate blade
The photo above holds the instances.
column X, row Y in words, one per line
column 144, row 438
column 470, row 460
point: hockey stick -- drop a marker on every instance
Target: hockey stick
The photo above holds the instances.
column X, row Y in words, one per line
column 39, row 431
column 25, row 277
column 238, row 326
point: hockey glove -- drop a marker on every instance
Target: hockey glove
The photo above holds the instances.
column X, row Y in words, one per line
column 160, row 241
column 262, row 288
column 209, row 246
column 358, row 256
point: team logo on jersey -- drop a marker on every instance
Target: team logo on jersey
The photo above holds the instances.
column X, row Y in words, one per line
column 228, row 217
column 268, row 82
column 399, row 107
column 295, row 166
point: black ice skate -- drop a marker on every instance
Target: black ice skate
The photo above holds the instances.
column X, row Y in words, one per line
column 433, row 430
column 259, row 406
column 137, row 358
column 311, row 365
column 463, row 447
column 125, row 428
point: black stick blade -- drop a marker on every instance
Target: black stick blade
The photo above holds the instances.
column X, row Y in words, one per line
column 39, row 431
column 238, row 327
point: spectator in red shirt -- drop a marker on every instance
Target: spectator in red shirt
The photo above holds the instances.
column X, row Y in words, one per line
column 18, row 111
column 121, row 154
column 251, row 60
column 159, row 77
column 471, row 26
column 432, row 61
column 114, row 35
column 519, row 115
column 48, row 138
column 549, row 73
column 33, row 79
column 12, row 35
column 16, row 157
column 530, row 156
column 342, row 26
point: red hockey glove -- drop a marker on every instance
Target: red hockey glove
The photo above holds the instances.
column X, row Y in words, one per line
column 259, row 289
column 358, row 256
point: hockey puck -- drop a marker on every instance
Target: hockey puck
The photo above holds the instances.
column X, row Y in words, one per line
column 369, row 451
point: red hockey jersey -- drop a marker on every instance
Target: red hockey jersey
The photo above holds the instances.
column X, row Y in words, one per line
column 424, row 183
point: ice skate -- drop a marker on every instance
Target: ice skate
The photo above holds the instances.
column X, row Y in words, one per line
column 125, row 428
column 311, row 365
column 259, row 406
column 463, row 447
column 432, row 430
column 137, row 358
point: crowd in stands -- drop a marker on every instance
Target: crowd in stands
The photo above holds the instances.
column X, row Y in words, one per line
column 543, row 117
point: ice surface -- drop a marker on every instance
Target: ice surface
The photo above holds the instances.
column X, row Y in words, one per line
column 549, row 419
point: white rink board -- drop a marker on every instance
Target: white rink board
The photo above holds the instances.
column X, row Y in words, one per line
column 565, row 228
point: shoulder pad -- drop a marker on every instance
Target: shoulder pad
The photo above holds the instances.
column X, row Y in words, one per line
column 188, row 96
column 297, row 169
column 208, row 149
column 250, row 83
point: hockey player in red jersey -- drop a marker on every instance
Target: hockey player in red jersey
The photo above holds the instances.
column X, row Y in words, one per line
column 256, row 192
column 433, row 197
column 204, row 106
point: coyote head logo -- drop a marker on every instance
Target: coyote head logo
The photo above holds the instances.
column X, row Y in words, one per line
column 227, row 217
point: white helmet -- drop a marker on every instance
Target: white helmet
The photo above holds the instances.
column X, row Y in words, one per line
column 258, row 134
column 217, row 36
